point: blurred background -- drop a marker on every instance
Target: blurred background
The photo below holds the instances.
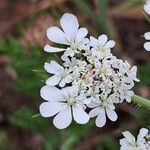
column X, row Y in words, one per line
column 23, row 25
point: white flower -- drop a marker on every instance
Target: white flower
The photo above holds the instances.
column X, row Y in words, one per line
column 90, row 77
column 101, row 46
column 147, row 44
column 101, row 110
column 61, row 76
column 125, row 93
column 66, row 104
column 147, row 7
column 101, row 42
column 130, row 143
column 72, row 36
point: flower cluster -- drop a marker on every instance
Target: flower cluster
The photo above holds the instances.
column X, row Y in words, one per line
column 89, row 77
column 147, row 34
column 130, row 143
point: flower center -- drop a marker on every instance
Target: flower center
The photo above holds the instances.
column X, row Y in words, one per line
column 71, row 101
column 103, row 70
column 73, row 46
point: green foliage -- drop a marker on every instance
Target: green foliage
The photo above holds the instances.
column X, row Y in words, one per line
column 100, row 20
column 111, row 143
column 4, row 142
column 24, row 63
column 144, row 74
column 75, row 133
column 130, row 4
column 143, row 118
column 23, row 118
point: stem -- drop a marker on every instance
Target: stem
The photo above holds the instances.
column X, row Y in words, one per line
column 141, row 101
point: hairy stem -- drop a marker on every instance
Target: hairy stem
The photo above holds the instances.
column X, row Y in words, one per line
column 141, row 101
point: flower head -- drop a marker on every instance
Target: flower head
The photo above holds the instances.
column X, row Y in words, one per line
column 64, row 104
column 72, row 36
column 90, row 77
column 130, row 143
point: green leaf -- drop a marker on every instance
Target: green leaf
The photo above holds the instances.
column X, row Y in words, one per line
column 23, row 118
column 111, row 143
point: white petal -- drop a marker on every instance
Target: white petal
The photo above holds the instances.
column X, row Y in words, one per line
column 147, row 46
column 82, row 32
column 51, row 93
column 62, row 82
column 65, row 92
column 63, row 119
column 53, row 67
column 111, row 114
column 79, row 115
column 94, row 112
column 49, row 109
column 129, row 137
column 147, row 35
column 147, row 8
column 92, row 105
column 70, row 25
column 101, row 119
column 54, row 34
column 51, row 49
column 102, row 39
column 110, row 44
column 69, row 52
column 54, row 80
column 73, row 90
column 142, row 134
column 93, row 41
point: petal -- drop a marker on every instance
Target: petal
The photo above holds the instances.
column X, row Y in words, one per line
column 147, row 35
column 102, row 39
column 54, row 80
column 92, row 105
column 101, row 119
column 79, row 115
column 129, row 137
column 70, row 25
column 63, row 119
column 51, row 49
column 49, row 109
column 69, row 52
column 147, row 46
column 62, row 82
column 94, row 112
column 111, row 114
column 93, row 41
column 82, row 32
column 147, row 7
column 51, row 93
column 143, row 132
column 65, row 92
column 110, row 44
column 73, row 90
column 53, row 67
column 54, row 34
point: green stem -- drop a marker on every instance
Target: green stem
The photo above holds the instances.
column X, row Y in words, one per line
column 141, row 101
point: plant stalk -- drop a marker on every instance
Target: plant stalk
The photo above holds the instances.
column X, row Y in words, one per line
column 141, row 101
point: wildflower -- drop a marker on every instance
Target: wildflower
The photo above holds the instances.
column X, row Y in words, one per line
column 66, row 104
column 72, row 36
column 147, row 44
column 103, row 108
column 60, row 76
column 90, row 78
column 130, row 143
column 147, row 7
